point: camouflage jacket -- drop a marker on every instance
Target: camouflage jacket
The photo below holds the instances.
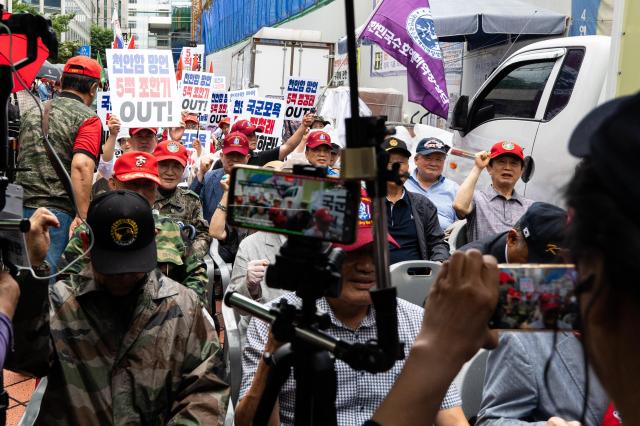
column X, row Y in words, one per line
column 173, row 259
column 184, row 207
column 156, row 367
column 42, row 186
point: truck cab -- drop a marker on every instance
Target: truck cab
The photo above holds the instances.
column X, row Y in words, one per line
column 534, row 98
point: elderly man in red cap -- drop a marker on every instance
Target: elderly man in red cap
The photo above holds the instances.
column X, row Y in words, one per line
column 75, row 131
column 262, row 157
column 180, row 204
column 497, row 208
column 351, row 319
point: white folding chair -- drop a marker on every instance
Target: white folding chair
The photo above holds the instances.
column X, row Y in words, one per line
column 413, row 279
column 458, row 235
column 232, row 351
column 470, row 382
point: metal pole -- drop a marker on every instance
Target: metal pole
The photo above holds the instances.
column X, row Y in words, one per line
column 353, row 63
column 381, row 252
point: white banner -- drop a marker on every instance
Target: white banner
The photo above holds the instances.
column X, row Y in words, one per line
column 204, row 136
column 236, row 100
column 143, row 87
column 217, row 111
column 268, row 114
column 193, row 58
column 196, row 91
column 300, row 97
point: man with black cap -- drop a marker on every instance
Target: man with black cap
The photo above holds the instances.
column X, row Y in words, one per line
column 427, row 179
column 120, row 343
column 138, row 172
column 535, row 238
column 412, row 218
column 352, row 318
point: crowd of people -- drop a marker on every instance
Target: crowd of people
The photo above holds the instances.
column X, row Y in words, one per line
column 125, row 334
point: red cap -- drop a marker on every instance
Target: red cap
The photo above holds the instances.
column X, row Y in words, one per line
column 235, row 142
column 315, row 139
column 171, row 150
column 135, row 130
column 83, row 65
column 504, row 147
column 136, row 165
column 245, row 127
column 323, row 215
column 226, row 120
column 364, row 229
column 191, row 117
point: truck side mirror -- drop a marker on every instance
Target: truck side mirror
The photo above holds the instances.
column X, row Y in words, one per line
column 528, row 169
column 459, row 120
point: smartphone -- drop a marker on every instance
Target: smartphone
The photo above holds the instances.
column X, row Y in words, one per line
column 315, row 207
column 536, row 297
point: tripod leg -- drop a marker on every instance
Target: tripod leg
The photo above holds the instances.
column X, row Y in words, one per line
column 279, row 372
column 324, row 410
column 315, row 388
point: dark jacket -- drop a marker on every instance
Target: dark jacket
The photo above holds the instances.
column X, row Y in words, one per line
column 430, row 236
column 210, row 192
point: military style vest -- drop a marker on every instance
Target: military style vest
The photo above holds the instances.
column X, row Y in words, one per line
column 42, row 186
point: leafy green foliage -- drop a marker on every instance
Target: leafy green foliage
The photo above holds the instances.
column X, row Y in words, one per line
column 101, row 39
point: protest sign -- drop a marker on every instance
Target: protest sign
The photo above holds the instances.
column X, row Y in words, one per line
column 217, row 111
column 219, row 83
column 204, row 136
column 268, row 114
column 143, row 87
column 193, row 58
column 235, row 101
column 196, row 92
column 300, row 97
column 103, row 109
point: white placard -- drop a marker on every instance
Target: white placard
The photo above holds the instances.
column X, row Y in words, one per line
column 143, row 87
column 268, row 114
column 196, row 89
column 300, row 96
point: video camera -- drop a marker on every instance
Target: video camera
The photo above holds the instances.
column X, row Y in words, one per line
column 36, row 30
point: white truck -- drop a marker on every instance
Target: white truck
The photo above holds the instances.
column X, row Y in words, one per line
column 534, row 98
column 273, row 54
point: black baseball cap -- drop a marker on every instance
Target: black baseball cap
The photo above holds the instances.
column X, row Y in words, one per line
column 392, row 143
column 124, row 233
column 430, row 145
column 543, row 226
column 610, row 135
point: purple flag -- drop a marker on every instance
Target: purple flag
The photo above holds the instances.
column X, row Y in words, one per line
column 404, row 29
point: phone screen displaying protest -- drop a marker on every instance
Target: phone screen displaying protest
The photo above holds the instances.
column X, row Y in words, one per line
column 536, row 297
column 315, row 207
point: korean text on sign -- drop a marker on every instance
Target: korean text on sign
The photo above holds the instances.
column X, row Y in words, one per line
column 196, row 92
column 143, row 87
column 300, row 97
column 103, row 110
column 268, row 114
column 236, row 101
column 217, row 110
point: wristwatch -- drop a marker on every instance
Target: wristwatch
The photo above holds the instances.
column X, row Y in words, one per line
column 221, row 207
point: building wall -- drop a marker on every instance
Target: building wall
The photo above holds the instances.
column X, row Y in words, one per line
column 150, row 22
